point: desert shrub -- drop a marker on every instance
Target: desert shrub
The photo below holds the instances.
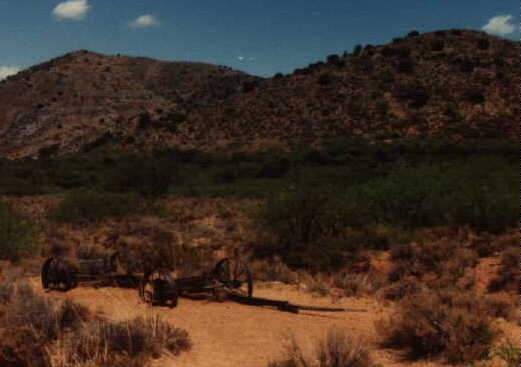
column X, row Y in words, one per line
column 429, row 325
column 274, row 270
column 333, row 59
column 151, row 178
column 510, row 353
column 437, row 45
column 402, row 52
column 483, row 44
column 141, row 338
column 405, row 66
column 337, row 349
column 401, row 289
column 275, row 168
column 474, row 96
column 440, row 258
column 302, row 71
column 509, row 274
column 499, row 308
column 439, row 195
column 84, row 206
column 352, row 285
column 357, row 49
column 325, row 79
column 18, row 235
column 416, row 94
column 413, row 33
column 303, row 224
column 23, row 347
column 46, row 316
column 162, row 251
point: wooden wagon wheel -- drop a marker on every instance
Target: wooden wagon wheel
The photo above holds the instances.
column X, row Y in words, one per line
column 158, row 287
column 57, row 274
column 234, row 275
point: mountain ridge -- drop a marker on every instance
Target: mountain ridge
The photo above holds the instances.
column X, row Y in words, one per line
column 452, row 84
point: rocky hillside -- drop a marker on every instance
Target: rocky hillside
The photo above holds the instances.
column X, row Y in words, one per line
column 453, row 84
column 72, row 101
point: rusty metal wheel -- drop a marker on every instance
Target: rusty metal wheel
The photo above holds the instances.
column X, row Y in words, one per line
column 235, row 276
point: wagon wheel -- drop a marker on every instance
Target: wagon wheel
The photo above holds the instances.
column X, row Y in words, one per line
column 234, row 275
column 55, row 272
column 159, row 287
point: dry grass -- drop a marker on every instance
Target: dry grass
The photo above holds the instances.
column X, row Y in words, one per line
column 113, row 343
column 46, row 316
column 337, row 350
column 37, row 324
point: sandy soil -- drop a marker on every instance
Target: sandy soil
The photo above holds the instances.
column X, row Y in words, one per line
column 226, row 334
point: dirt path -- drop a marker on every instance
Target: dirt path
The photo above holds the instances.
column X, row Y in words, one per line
column 226, row 334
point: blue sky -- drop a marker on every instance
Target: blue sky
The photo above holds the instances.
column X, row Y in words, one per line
column 261, row 37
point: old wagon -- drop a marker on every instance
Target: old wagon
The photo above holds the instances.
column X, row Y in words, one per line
column 228, row 276
column 62, row 274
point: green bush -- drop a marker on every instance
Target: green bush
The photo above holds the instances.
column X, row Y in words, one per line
column 18, row 236
column 85, row 206
column 139, row 175
column 305, row 225
column 444, row 194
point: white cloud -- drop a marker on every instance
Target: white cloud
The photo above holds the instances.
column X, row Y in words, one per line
column 500, row 24
column 144, row 21
column 6, row 71
column 244, row 58
column 72, row 9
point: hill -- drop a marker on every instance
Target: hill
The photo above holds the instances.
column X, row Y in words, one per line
column 455, row 84
column 451, row 84
column 66, row 103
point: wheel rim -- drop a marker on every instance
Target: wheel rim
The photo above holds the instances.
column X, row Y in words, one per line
column 235, row 275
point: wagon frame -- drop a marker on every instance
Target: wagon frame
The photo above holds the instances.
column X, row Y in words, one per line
column 229, row 275
column 61, row 274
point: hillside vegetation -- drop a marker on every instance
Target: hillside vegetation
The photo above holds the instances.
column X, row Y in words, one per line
column 454, row 84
